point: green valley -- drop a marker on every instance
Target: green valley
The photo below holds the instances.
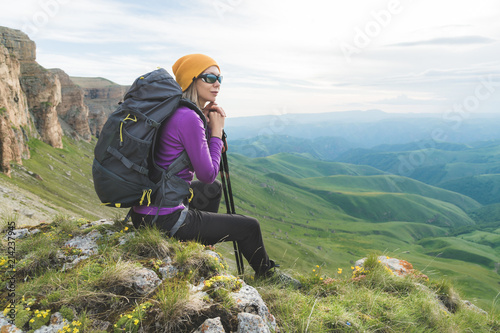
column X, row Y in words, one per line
column 314, row 212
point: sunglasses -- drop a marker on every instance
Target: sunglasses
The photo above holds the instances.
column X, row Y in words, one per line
column 210, row 78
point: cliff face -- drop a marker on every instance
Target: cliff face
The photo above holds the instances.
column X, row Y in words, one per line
column 41, row 103
column 14, row 115
column 102, row 97
column 42, row 89
column 72, row 108
column 18, row 44
column 34, row 101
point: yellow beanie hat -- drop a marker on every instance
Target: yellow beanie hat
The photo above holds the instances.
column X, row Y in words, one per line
column 189, row 67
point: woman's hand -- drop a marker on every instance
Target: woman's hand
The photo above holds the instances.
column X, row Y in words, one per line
column 212, row 106
column 215, row 118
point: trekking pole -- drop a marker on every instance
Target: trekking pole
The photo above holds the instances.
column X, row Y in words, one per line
column 228, row 198
column 235, row 244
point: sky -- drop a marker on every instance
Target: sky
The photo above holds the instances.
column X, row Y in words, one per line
column 285, row 56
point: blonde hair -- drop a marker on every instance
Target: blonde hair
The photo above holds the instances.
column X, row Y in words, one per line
column 192, row 94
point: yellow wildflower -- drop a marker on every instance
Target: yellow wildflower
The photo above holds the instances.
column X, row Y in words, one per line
column 126, row 228
column 339, row 270
column 136, row 322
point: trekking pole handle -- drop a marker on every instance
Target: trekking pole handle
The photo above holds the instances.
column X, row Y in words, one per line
column 224, row 141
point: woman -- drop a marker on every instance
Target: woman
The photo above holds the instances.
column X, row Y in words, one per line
column 200, row 80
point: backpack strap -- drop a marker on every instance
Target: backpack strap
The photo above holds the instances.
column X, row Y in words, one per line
column 179, row 222
column 126, row 162
column 180, row 163
column 192, row 106
column 176, row 226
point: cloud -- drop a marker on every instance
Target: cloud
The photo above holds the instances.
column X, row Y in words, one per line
column 405, row 100
column 451, row 76
column 446, row 41
column 92, row 65
column 275, row 52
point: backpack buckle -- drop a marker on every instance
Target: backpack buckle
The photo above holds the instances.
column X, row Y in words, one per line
column 152, row 123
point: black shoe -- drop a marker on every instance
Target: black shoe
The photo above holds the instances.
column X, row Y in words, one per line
column 274, row 275
column 267, row 272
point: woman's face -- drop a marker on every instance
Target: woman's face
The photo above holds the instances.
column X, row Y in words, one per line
column 207, row 92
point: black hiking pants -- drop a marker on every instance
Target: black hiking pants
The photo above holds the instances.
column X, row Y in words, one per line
column 206, row 226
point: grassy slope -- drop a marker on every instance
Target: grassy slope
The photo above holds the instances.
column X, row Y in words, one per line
column 92, row 82
column 472, row 159
column 301, row 227
column 474, row 172
column 374, row 198
column 299, row 223
column 66, row 177
column 483, row 188
column 100, row 289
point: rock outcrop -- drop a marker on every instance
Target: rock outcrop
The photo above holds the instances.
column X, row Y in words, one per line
column 248, row 312
column 102, row 97
column 14, row 115
column 43, row 91
column 35, row 102
column 41, row 88
column 72, row 109
column 18, row 44
column 46, row 104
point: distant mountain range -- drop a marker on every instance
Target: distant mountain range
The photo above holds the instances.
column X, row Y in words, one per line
column 366, row 129
column 459, row 156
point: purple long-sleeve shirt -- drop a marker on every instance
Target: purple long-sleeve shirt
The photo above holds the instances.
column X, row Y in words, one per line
column 185, row 131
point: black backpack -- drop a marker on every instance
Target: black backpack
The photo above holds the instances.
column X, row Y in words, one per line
column 124, row 171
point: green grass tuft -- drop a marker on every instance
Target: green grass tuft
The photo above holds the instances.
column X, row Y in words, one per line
column 149, row 242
